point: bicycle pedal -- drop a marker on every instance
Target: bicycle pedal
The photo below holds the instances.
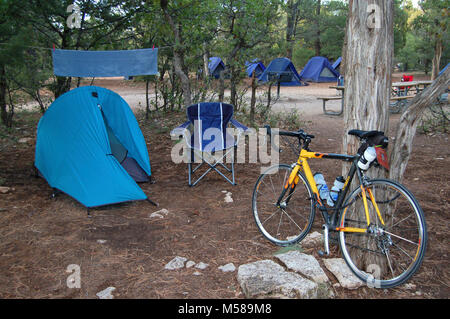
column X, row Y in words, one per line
column 322, row 253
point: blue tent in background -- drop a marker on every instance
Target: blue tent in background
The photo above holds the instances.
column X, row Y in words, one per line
column 89, row 146
column 283, row 68
column 215, row 66
column 255, row 66
column 319, row 69
column 337, row 64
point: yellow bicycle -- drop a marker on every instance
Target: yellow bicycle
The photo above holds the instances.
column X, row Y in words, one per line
column 381, row 227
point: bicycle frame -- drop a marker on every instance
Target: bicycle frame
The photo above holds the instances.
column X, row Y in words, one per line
column 331, row 220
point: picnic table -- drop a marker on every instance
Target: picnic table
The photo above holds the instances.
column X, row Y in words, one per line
column 400, row 100
column 418, row 86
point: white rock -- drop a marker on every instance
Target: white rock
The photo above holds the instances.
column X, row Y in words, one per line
column 343, row 273
column 314, row 239
column 101, row 241
column 190, row 263
column 160, row 213
column 410, row 286
column 197, row 273
column 176, row 263
column 4, row 189
column 228, row 198
column 228, row 267
column 304, row 264
column 24, row 140
column 201, row 265
column 267, row 279
column 106, row 294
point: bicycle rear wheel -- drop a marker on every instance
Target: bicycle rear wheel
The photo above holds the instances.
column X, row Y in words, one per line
column 290, row 221
column 393, row 246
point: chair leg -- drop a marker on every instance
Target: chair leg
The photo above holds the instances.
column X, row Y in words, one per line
column 232, row 172
column 189, row 173
column 212, row 166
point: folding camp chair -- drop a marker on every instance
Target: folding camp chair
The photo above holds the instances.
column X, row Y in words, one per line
column 206, row 136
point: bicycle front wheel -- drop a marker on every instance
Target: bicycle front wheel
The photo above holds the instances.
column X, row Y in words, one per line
column 391, row 249
column 284, row 216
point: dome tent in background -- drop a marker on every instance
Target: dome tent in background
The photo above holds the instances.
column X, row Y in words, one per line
column 319, row 69
column 215, row 66
column 256, row 66
column 282, row 67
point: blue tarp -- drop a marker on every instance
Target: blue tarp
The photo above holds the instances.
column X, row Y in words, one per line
column 105, row 63
column 255, row 66
column 215, row 66
column 319, row 69
column 280, row 66
column 73, row 151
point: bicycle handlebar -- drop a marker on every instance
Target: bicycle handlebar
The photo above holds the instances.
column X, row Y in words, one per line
column 300, row 133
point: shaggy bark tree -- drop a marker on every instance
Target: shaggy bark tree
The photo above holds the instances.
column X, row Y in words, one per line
column 368, row 64
column 406, row 130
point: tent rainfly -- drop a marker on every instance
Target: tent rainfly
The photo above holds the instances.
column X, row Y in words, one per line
column 282, row 68
column 319, row 69
column 215, row 66
column 255, row 66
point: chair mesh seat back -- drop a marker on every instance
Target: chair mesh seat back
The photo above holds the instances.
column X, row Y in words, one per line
column 210, row 121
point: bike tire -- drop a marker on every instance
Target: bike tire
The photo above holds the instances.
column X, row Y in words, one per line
column 388, row 254
column 297, row 207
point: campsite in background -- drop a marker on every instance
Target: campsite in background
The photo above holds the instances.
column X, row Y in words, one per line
column 97, row 98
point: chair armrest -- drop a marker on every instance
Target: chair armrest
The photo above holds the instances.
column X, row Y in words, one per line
column 180, row 130
column 239, row 125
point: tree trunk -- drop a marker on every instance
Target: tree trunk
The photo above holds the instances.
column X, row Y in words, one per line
column 368, row 71
column 291, row 23
column 221, row 86
column 205, row 61
column 344, row 50
column 317, row 44
column 406, row 130
column 438, row 48
column 3, row 99
column 253, row 99
column 178, row 56
column 147, row 102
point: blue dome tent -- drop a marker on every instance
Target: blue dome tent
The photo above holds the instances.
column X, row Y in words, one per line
column 282, row 68
column 255, row 66
column 215, row 66
column 319, row 69
column 89, row 146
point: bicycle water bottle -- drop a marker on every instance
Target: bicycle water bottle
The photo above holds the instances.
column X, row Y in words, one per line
column 335, row 190
column 322, row 186
column 369, row 155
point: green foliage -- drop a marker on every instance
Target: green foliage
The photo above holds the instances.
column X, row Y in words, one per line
column 427, row 26
column 235, row 30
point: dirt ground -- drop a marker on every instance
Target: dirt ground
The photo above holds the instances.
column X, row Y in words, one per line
column 121, row 246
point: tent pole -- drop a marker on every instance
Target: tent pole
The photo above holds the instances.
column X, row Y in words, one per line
column 152, row 202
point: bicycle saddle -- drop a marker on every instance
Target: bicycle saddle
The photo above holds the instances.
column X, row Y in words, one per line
column 364, row 134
